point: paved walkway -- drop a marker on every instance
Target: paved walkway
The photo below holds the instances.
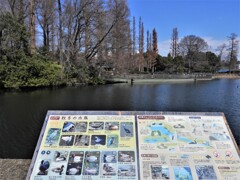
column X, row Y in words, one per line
column 14, row 169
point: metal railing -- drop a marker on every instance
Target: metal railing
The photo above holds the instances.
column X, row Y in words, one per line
column 161, row 76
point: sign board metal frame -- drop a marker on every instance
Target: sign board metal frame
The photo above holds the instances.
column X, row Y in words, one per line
column 144, row 153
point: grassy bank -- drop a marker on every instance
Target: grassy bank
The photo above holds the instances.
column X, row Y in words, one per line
column 226, row 76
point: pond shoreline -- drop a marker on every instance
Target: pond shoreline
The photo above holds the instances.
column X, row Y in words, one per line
column 127, row 79
column 226, row 76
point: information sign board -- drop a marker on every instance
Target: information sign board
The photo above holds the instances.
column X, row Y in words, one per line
column 135, row 145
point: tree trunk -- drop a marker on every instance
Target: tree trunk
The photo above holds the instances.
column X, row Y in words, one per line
column 32, row 27
column 60, row 31
column 1, row 48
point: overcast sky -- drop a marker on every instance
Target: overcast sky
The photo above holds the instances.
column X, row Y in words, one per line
column 212, row 20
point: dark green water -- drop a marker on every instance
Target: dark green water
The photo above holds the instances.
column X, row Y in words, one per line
column 22, row 113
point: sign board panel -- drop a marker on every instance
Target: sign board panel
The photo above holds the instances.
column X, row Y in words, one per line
column 135, row 145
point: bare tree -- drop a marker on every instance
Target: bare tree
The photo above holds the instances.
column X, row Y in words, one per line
column 60, row 32
column 32, row 27
column 149, row 54
column 141, row 63
column 174, row 43
column 221, row 49
column 139, row 34
column 141, row 45
column 133, row 42
column 142, row 38
column 190, row 46
column 232, row 50
column 129, row 47
column 119, row 34
column 154, row 50
column 148, row 41
column 155, row 42
column 45, row 10
column 134, row 35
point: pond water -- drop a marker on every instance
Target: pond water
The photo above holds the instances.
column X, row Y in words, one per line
column 22, row 113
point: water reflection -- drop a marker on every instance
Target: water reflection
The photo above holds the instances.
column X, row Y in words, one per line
column 22, row 113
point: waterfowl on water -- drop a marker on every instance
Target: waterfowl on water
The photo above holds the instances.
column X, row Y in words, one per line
column 97, row 139
column 112, row 127
column 108, row 158
column 58, row 170
column 108, row 168
column 91, row 158
column 96, row 125
column 73, row 171
column 59, row 157
column 90, row 171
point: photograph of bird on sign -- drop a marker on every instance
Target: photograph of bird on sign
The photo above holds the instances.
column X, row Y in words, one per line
column 91, row 163
column 126, row 129
column 44, row 167
column 109, row 157
column 52, row 136
column 68, row 127
column 112, row 141
column 57, row 169
column 66, row 140
column 126, row 156
column 60, row 156
column 82, row 140
column 96, row 126
column 98, row 140
column 112, row 126
column 75, row 162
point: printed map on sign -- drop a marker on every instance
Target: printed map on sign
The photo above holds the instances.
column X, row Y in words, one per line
column 186, row 147
column 135, row 145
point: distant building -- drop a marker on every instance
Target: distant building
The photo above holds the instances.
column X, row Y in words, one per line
column 223, row 71
column 238, row 65
column 235, row 70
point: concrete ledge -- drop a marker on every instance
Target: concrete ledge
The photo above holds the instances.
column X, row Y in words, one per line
column 14, row 168
column 154, row 80
column 161, row 80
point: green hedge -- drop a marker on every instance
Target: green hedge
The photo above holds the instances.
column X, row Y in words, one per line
column 30, row 72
